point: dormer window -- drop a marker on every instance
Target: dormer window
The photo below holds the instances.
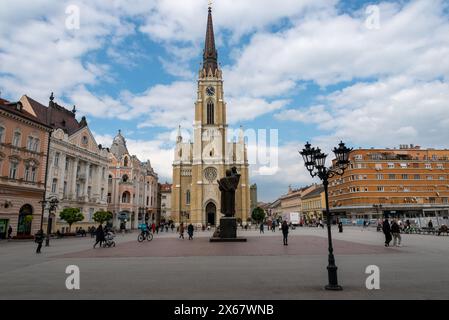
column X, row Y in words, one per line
column 19, row 106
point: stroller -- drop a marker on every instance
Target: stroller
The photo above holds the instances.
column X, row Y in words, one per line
column 109, row 240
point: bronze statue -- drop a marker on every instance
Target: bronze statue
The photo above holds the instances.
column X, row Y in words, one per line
column 227, row 186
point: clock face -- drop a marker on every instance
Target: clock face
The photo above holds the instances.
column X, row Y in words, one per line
column 210, row 91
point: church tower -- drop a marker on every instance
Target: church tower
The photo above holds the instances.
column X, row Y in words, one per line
column 198, row 164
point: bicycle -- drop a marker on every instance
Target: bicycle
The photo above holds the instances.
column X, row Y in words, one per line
column 145, row 235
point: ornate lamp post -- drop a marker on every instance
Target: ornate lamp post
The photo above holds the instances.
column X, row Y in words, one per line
column 315, row 162
column 53, row 205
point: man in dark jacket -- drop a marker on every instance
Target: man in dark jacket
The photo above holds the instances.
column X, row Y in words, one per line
column 39, row 239
column 285, row 232
column 9, row 232
column 396, row 232
column 387, row 232
column 99, row 236
column 190, row 231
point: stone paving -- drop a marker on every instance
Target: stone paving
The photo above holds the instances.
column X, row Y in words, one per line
column 262, row 268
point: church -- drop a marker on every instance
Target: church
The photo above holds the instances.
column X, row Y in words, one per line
column 199, row 164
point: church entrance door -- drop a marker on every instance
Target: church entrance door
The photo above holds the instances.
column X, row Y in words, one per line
column 211, row 211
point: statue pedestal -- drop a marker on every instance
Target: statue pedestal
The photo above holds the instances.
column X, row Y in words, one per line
column 228, row 231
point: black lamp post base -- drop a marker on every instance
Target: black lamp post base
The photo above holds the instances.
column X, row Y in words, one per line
column 334, row 287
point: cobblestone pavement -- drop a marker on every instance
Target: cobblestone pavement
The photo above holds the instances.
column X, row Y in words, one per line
column 262, row 268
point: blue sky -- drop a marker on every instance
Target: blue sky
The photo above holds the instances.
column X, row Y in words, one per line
column 373, row 73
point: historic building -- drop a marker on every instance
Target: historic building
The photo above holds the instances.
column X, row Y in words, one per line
column 408, row 182
column 165, row 194
column 253, row 197
column 292, row 201
column 77, row 166
column 313, row 204
column 24, row 140
column 132, row 187
column 198, row 164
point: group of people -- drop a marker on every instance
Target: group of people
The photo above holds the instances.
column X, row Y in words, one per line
column 392, row 231
column 190, row 230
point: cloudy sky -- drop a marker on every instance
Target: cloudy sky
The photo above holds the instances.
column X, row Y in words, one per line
column 372, row 73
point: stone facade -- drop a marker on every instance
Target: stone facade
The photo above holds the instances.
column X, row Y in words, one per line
column 23, row 156
column 198, row 164
column 165, row 192
column 132, row 187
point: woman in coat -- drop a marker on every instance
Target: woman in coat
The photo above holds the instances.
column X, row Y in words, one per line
column 181, row 231
column 285, row 232
column 99, row 236
column 190, row 231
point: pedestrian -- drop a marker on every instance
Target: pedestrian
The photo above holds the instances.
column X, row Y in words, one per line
column 166, row 227
column 285, row 232
column 387, row 232
column 122, row 228
column 99, row 236
column 396, row 232
column 273, row 227
column 9, row 232
column 321, row 224
column 340, row 227
column 39, row 239
column 364, row 225
column 190, row 231
column 172, row 227
column 181, row 230
column 430, row 224
column 261, row 228
column 157, row 229
column 153, row 227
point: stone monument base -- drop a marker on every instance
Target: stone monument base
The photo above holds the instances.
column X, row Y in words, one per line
column 228, row 231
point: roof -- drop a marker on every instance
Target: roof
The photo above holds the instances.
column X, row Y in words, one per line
column 118, row 148
column 210, row 54
column 315, row 193
column 12, row 107
column 56, row 116
column 165, row 187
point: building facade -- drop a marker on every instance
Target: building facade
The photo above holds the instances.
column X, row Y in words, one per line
column 77, row 167
column 313, row 205
column 292, row 201
column 408, row 182
column 165, row 191
column 253, row 197
column 24, row 140
column 198, row 164
column 132, row 187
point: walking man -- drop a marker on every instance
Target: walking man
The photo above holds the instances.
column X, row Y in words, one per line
column 190, row 231
column 285, row 232
column 39, row 239
column 387, row 232
column 261, row 228
column 396, row 232
column 9, row 232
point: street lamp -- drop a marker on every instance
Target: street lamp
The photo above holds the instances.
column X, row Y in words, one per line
column 53, row 205
column 315, row 162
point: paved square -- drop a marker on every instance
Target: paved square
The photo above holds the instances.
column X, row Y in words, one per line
column 262, row 268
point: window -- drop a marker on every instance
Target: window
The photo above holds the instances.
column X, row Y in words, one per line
column 379, row 176
column 36, row 145
column 444, row 200
column 103, row 171
column 188, row 197
column 2, row 134
column 109, row 198
column 390, row 165
column 417, row 177
column 380, row 189
column 53, row 185
column 27, row 173
column 432, row 200
column 405, row 177
column 67, row 163
column 440, row 166
column 16, row 139
column 210, row 113
column 429, row 178
column 102, row 194
column 358, row 157
column 125, row 162
column 441, row 177
column 13, row 169
column 391, row 176
column 125, row 178
column 416, row 165
column 148, row 201
column 30, row 172
column 90, row 171
column 378, row 166
column 78, row 189
column 403, row 165
column 428, row 166
column 89, row 191
column 126, row 197
column 30, row 143
column 91, row 214
column 64, row 190
column 56, row 160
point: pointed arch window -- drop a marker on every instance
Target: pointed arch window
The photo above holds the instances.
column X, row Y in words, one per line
column 125, row 162
column 188, row 197
column 210, row 112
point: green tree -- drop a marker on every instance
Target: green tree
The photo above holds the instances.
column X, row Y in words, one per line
column 102, row 216
column 258, row 214
column 71, row 215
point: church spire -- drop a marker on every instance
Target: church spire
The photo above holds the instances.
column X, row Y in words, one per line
column 210, row 55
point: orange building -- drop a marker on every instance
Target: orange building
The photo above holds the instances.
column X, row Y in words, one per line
column 23, row 156
column 408, row 182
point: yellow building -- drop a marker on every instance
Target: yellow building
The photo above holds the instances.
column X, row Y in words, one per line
column 313, row 204
column 198, row 164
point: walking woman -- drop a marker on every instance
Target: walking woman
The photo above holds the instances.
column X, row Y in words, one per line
column 285, row 232
column 181, row 231
column 99, row 236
